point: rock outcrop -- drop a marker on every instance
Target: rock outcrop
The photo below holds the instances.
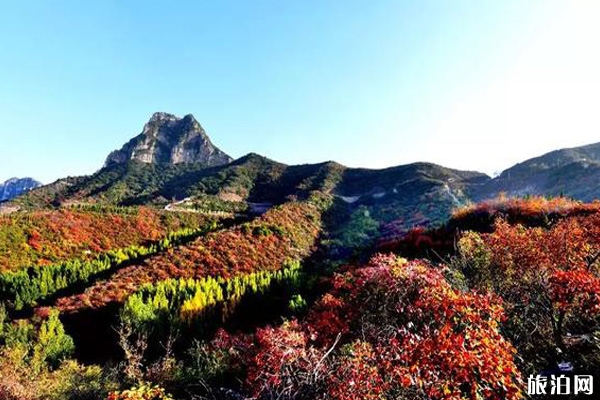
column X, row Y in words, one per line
column 167, row 139
column 15, row 187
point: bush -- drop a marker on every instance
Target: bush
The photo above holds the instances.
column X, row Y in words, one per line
column 53, row 344
column 393, row 329
column 144, row 392
column 34, row 365
column 297, row 303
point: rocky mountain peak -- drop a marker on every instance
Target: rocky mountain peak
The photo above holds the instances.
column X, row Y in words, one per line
column 16, row 186
column 168, row 139
column 163, row 116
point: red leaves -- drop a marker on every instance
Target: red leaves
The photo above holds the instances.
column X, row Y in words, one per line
column 404, row 327
column 356, row 375
column 543, row 259
column 575, row 290
column 282, row 361
column 532, row 209
column 35, row 240
column 53, row 236
column 558, row 262
column 448, row 342
column 327, row 319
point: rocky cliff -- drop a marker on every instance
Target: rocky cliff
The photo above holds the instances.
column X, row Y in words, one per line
column 15, row 187
column 167, row 139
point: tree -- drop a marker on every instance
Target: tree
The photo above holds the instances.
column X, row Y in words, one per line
column 548, row 278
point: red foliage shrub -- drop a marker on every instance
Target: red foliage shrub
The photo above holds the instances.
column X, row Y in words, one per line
column 548, row 277
column 282, row 361
column 405, row 329
column 527, row 210
column 357, row 374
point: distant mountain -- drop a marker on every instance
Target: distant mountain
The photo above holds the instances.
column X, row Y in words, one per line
column 167, row 139
column 573, row 172
column 15, row 187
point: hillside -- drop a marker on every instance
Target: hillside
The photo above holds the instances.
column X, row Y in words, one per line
column 408, row 195
column 50, row 236
column 174, row 264
column 572, row 172
column 252, row 303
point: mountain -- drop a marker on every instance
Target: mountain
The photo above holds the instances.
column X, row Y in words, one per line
column 15, row 187
column 572, row 172
column 407, row 195
column 414, row 194
column 252, row 178
column 167, row 139
column 173, row 159
column 109, row 285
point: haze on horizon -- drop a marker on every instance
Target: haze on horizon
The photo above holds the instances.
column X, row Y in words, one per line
column 468, row 85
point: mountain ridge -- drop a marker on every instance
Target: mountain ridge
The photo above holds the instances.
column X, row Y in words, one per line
column 571, row 171
column 174, row 159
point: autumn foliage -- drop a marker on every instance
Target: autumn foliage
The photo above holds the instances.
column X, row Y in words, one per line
column 392, row 329
column 45, row 237
column 533, row 210
column 512, row 288
column 143, row 392
column 285, row 233
column 549, row 278
column 25, row 287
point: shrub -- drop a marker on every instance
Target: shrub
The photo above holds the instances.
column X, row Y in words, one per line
column 34, row 365
column 393, row 329
column 297, row 303
column 144, row 392
column 549, row 279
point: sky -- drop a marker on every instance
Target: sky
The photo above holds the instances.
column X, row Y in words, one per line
column 477, row 85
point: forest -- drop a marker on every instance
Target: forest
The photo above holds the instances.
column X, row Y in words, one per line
column 135, row 303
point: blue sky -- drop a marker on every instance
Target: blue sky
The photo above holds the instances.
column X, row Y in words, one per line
column 467, row 84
